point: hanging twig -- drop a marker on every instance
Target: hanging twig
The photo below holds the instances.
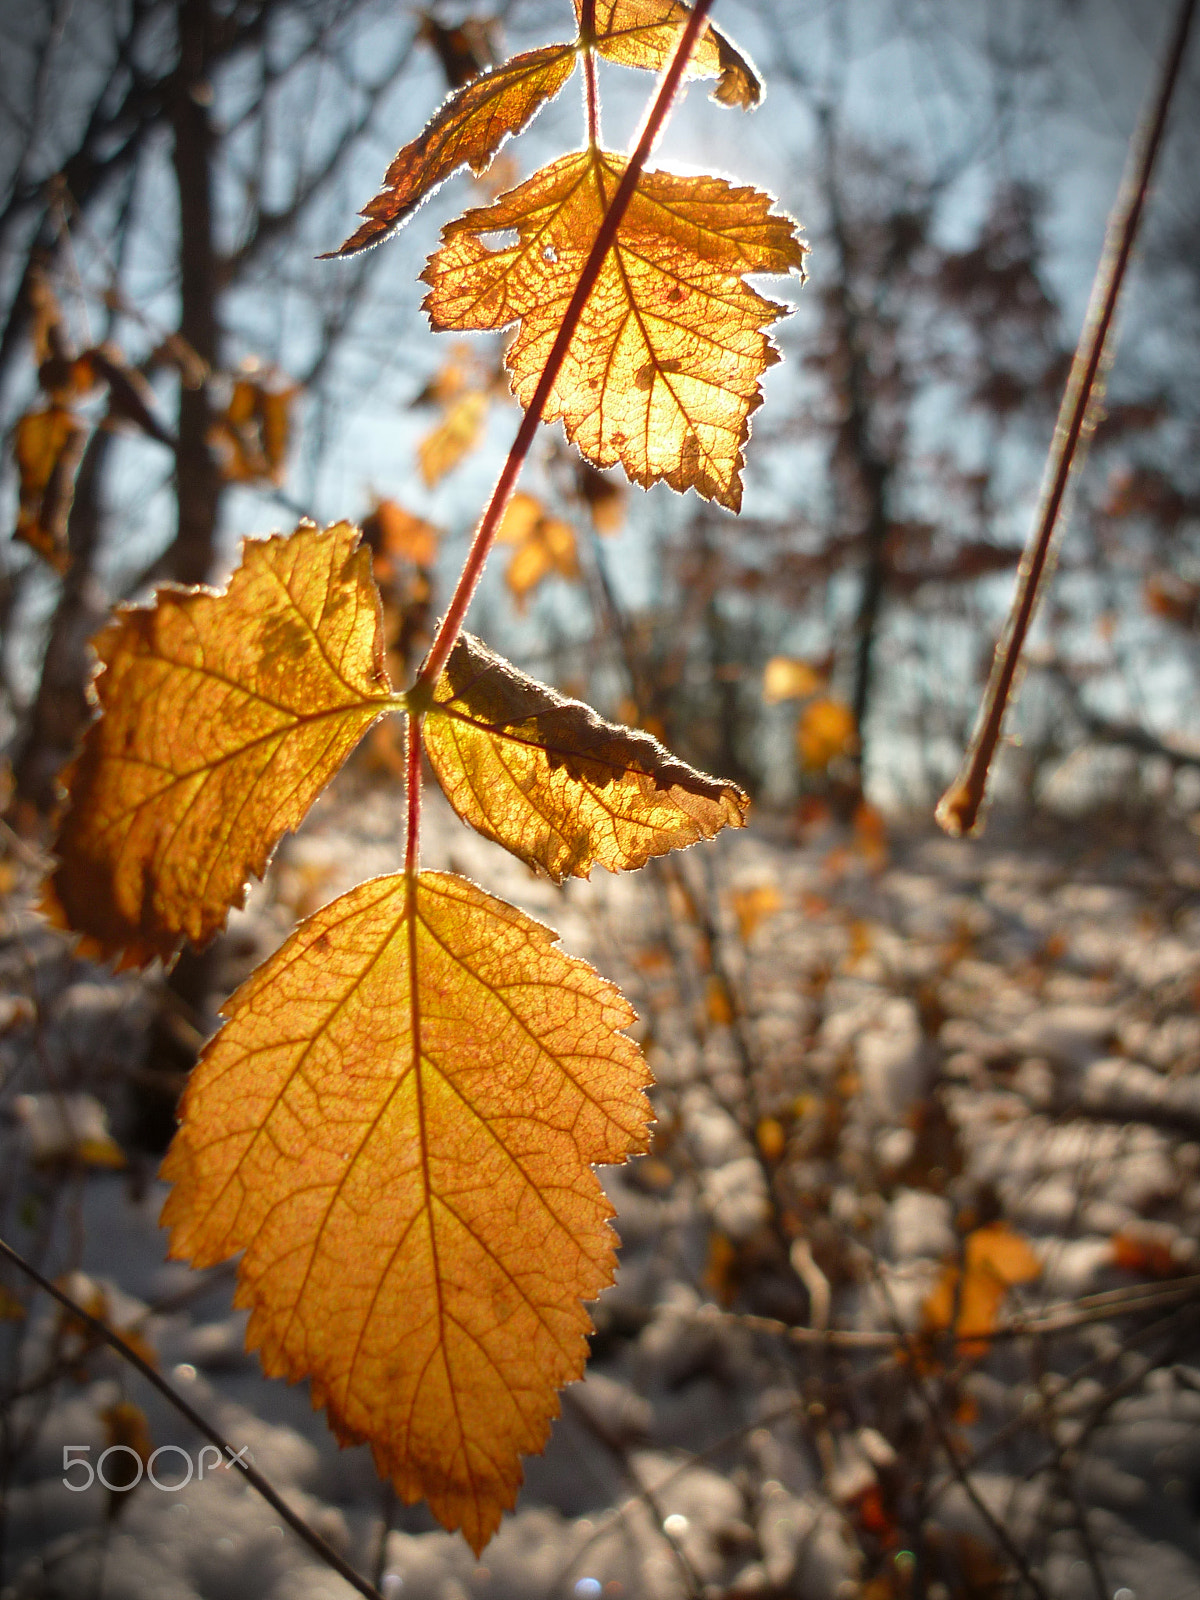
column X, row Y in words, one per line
column 958, row 809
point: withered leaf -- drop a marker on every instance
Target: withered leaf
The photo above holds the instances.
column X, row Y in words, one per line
column 662, row 372
column 468, row 130
column 397, row 1125
column 48, row 445
column 223, row 716
column 556, row 784
column 644, row 33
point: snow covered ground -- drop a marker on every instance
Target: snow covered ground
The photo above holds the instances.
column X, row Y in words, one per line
column 863, row 1065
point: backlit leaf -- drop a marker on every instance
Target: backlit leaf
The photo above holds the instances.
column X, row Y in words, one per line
column 662, row 372
column 556, row 784
column 459, row 431
column 251, row 435
column 644, row 33
column 223, row 716
column 468, row 130
column 395, row 534
column 545, row 545
column 825, row 731
column 788, row 678
column 47, row 445
column 397, row 1126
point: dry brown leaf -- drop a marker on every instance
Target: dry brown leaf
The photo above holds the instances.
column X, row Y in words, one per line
column 545, row 546
column 556, row 784
column 459, row 431
column 644, row 33
column 469, row 128
column 223, row 716
column 788, row 678
column 47, row 445
column 407, row 1163
column 826, row 730
column 662, row 372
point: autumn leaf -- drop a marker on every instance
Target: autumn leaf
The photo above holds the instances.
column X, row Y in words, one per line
column 397, row 1126
column 545, row 545
column 459, row 431
column 662, row 371
column 556, row 784
column 644, row 33
column 223, row 716
column 788, row 678
column 251, row 435
column 47, row 445
column 395, row 534
column 603, row 496
column 825, row 731
column 995, row 1259
column 754, row 906
column 468, row 130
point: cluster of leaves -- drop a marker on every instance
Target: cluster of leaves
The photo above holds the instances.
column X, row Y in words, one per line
column 49, row 439
column 398, row 1123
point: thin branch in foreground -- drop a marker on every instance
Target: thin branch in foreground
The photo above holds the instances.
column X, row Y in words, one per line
column 959, row 808
column 252, row 1475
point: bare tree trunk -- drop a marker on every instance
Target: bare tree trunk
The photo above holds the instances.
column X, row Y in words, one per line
column 183, row 1015
column 197, row 480
column 870, row 471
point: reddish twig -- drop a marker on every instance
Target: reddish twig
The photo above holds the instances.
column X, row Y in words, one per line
column 958, row 809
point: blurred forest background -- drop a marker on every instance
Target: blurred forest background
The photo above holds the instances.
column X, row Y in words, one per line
column 172, row 172
column 907, row 1090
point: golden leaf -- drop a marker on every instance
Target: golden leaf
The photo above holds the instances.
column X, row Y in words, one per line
column 545, row 545
column 468, row 130
column 251, row 435
column 556, row 784
column 644, row 33
column 47, row 445
column 395, row 534
column 397, row 1126
column 223, row 716
column 995, row 1258
column 787, row 678
column 826, row 730
column 459, row 431
column 662, row 371
column 753, row 906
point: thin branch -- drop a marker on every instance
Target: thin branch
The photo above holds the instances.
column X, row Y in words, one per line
column 959, row 808
column 252, row 1475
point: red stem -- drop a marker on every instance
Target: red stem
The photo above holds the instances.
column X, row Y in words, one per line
column 412, row 777
column 587, row 33
column 451, row 623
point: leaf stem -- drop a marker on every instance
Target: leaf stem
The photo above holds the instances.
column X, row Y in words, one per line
column 412, row 764
column 451, row 624
column 958, row 810
column 587, row 35
column 252, row 1475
